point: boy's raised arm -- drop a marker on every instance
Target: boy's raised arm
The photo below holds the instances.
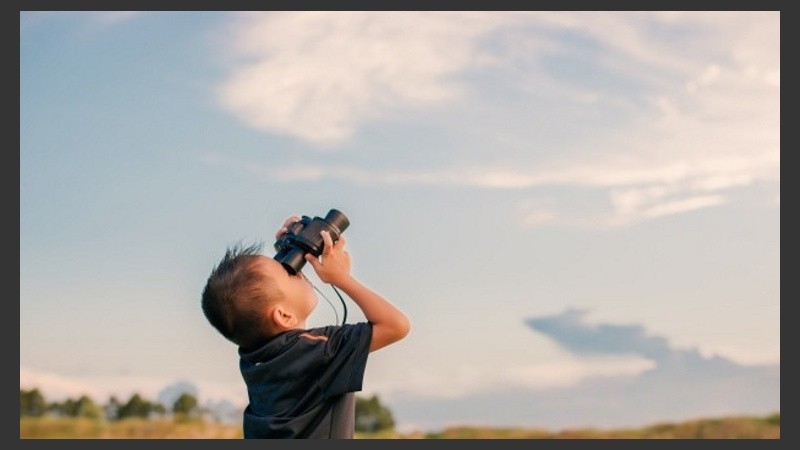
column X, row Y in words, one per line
column 389, row 324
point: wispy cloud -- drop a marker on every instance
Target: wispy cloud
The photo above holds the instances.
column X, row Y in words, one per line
column 637, row 190
column 696, row 174
column 680, row 206
column 472, row 379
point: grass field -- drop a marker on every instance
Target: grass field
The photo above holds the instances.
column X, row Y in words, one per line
column 74, row 428
column 744, row 427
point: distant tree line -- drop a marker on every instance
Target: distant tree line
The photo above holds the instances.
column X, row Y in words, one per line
column 370, row 415
column 33, row 404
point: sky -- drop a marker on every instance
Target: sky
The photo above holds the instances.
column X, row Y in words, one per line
column 579, row 212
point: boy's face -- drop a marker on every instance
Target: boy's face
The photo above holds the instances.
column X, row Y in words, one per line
column 296, row 290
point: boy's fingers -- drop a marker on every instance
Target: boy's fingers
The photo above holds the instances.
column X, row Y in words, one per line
column 312, row 260
column 326, row 239
column 285, row 227
column 291, row 220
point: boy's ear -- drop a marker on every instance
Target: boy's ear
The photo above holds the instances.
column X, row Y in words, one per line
column 283, row 317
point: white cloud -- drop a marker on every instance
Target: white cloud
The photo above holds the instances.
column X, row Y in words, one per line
column 319, row 75
column 629, row 201
column 639, row 204
column 679, row 206
column 470, row 380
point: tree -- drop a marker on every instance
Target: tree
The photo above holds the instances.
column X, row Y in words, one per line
column 64, row 409
column 31, row 403
column 82, row 407
column 371, row 416
column 135, row 407
column 185, row 406
column 159, row 409
column 86, row 407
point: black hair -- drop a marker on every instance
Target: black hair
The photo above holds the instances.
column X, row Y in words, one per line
column 234, row 297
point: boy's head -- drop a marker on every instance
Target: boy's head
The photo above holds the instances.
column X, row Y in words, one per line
column 249, row 297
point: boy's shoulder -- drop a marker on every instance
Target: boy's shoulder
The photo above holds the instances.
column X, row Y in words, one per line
column 333, row 334
column 334, row 337
column 327, row 330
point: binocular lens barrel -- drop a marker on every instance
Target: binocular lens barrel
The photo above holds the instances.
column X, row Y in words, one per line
column 337, row 220
column 294, row 260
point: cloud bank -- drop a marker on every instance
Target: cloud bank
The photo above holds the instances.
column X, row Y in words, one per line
column 679, row 384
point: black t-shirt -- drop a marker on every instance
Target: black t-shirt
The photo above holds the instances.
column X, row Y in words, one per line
column 300, row 383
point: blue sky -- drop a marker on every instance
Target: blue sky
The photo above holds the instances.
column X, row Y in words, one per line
column 520, row 184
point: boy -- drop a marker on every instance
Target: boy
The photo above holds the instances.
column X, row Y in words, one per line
column 300, row 382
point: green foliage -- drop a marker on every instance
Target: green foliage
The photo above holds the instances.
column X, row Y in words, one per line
column 372, row 416
column 31, row 403
column 185, row 406
column 65, row 408
column 83, row 407
column 136, row 407
column 774, row 419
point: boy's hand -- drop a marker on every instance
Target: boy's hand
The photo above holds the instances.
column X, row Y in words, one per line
column 285, row 227
column 333, row 266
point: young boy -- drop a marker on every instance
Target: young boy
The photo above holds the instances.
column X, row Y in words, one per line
column 300, row 382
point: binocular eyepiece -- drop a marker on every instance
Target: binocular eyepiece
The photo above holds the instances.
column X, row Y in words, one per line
column 303, row 237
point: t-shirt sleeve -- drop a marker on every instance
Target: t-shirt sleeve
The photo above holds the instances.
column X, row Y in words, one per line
column 347, row 350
